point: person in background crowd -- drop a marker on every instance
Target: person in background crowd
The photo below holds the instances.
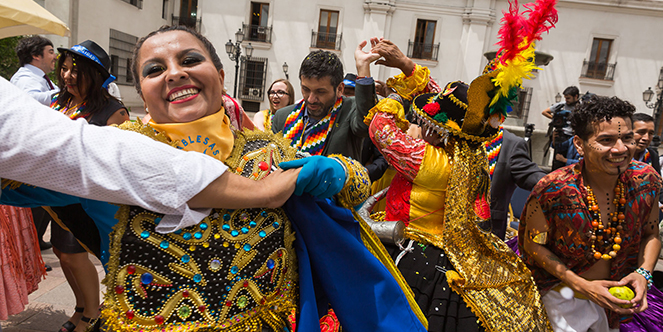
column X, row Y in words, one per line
column 349, row 82
column 280, row 94
column 325, row 122
column 559, row 129
column 594, row 225
column 643, row 134
column 83, row 77
column 37, row 58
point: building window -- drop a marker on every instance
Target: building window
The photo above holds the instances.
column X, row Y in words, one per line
column 327, row 36
column 252, row 79
column 188, row 13
column 164, row 9
column 258, row 30
column 422, row 47
column 120, row 48
column 520, row 108
column 137, row 3
column 251, row 106
column 598, row 66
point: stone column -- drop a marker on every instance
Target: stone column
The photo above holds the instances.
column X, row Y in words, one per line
column 377, row 22
column 478, row 18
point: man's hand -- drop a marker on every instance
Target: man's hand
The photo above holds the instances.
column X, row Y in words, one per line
column 393, row 57
column 560, row 157
column 363, row 60
column 319, row 176
column 597, row 292
column 639, row 285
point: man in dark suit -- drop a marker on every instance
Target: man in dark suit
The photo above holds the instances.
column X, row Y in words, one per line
column 643, row 133
column 514, row 167
column 326, row 122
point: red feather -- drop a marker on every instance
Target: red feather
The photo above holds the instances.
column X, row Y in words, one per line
column 510, row 34
column 542, row 17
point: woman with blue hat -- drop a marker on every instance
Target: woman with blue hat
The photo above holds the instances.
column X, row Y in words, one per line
column 83, row 78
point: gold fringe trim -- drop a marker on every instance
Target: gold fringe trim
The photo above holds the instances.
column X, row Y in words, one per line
column 146, row 130
column 408, row 87
column 388, row 105
column 12, row 184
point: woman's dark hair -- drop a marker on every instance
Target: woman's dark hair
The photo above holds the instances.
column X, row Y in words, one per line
column 598, row 109
column 166, row 28
column 319, row 64
column 96, row 96
column 288, row 88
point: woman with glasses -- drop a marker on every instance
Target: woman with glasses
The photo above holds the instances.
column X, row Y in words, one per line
column 281, row 94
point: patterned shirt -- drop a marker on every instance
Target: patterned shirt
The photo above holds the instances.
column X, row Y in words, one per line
column 561, row 197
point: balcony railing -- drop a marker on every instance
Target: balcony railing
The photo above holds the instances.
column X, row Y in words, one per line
column 423, row 51
column 330, row 41
column 598, row 70
column 257, row 33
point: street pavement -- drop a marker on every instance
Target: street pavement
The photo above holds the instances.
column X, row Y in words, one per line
column 50, row 305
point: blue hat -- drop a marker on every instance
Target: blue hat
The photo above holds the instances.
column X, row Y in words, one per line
column 93, row 52
column 349, row 80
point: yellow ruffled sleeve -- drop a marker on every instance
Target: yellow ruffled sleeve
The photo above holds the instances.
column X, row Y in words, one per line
column 408, row 87
column 391, row 106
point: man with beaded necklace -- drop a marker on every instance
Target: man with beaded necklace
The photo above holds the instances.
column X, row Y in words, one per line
column 594, row 225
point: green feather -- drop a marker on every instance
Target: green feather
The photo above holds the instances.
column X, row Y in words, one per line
column 502, row 104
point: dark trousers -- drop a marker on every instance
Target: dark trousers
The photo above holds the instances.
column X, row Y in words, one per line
column 41, row 219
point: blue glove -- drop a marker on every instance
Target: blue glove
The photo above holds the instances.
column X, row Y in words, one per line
column 320, row 176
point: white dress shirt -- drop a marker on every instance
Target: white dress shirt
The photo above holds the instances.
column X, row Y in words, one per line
column 42, row 147
column 31, row 80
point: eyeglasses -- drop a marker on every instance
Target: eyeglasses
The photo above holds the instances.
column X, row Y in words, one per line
column 279, row 93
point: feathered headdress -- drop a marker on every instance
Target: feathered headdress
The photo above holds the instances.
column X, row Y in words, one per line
column 515, row 58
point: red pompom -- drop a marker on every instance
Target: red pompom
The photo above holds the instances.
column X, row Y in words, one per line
column 432, row 109
column 482, row 208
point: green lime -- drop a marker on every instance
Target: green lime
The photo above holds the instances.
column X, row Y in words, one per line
column 622, row 293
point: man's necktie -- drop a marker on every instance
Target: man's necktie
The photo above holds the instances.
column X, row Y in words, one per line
column 50, row 84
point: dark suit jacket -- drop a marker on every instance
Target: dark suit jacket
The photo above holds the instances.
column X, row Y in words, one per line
column 514, row 168
column 349, row 129
column 655, row 163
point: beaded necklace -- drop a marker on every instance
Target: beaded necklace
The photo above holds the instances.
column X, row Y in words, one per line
column 78, row 109
column 601, row 235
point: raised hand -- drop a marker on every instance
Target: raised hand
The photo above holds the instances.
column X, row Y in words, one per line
column 392, row 55
column 363, row 60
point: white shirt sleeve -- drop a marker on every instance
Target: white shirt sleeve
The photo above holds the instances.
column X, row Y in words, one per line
column 45, row 148
column 34, row 85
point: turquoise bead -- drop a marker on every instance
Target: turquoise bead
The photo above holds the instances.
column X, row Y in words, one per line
column 145, row 234
column 164, row 244
column 234, row 233
column 197, row 277
column 247, row 247
column 245, row 230
column 185, row 259
column 225, row 227
column 203, row 226
column 187, row 236
column 252, row 224
column 198, row 235
column 262, row 234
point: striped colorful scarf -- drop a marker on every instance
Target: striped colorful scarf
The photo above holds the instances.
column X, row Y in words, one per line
column 317, row 137
column 493, row 148
column 646, row 158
